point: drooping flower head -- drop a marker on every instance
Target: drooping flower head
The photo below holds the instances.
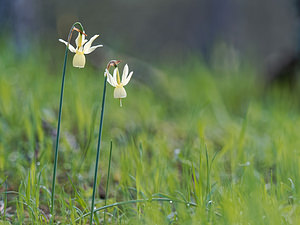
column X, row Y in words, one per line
column 115, row 81
column 83, row 46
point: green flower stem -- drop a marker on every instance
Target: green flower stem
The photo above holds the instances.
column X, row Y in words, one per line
column 108, row 174
column 59, row 120
column 138, row 201
column 98, row 149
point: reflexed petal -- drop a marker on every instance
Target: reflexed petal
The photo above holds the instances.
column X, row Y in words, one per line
column 81, row 49
column 77, row 39
column 88, row 45
column 127, row 78
column 115, row 75
column 120, row 92
column 79, row 60
column 91, row 49
column 83, row 40
column 111, row 80
column 125, row 73
column 71, row 48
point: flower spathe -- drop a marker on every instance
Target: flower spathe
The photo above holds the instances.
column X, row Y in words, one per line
column 117, row 83
column 83, row 47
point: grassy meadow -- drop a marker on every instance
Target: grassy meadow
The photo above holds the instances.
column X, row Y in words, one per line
column 224, row 148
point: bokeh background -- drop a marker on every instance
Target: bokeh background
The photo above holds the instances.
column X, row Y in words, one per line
column 154, row 31
column 212, row 113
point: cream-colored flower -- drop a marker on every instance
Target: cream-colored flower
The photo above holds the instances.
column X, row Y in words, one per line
column 117, row 83
column 83, row 46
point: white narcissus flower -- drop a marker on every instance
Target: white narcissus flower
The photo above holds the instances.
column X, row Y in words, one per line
column 117, row 83
column 83, row 46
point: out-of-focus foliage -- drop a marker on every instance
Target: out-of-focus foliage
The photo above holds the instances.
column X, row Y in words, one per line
column 157, row 29
column 160, row 139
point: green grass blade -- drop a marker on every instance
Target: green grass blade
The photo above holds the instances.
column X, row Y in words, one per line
column 108, row 175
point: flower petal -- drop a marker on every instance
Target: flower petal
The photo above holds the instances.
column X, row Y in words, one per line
column 125, row 73
column 115, row 75
column 83, row 40
column 127, row 78
column 77, row 40
column 91, row 49
column 106, row 72
column 111, row 80
column 88, row 45
column 71, row 48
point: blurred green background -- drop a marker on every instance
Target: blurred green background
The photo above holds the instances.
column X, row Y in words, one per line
column 211, row 78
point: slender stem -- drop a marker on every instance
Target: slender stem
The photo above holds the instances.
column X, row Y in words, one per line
column 57, row 135
column 108, row 174
column 59, row 120
column 138, row 201
column 98, row 149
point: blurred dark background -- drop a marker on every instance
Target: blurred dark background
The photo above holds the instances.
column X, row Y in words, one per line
column 156, row 30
